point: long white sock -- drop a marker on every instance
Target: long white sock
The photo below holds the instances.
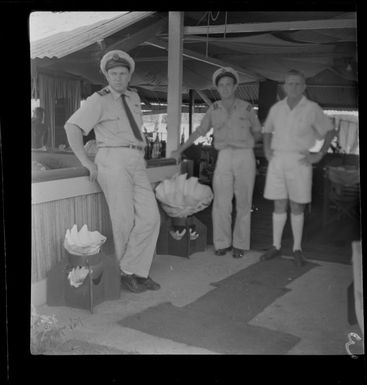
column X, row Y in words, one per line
column 279, row 221
column 297, row 230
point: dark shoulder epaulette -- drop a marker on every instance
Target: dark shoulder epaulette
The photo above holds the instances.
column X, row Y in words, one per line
column 249, row 107
column 104, row 91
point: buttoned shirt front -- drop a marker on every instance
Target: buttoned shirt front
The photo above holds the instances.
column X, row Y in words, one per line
column 296, row 129
column 105, row 113
column 231, row 129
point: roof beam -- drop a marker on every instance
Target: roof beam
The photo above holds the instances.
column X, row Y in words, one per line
column 185, row 109
column 130, row 42
column 159, row 43
column 204, row 97
column 153, row 59
column 272, row 26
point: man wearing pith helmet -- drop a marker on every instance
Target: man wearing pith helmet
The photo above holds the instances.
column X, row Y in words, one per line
column 119, row 167
column 235, row 128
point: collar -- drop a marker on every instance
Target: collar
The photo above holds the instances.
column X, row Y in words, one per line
column 117, row 95
column 302, row 101
column 234, row 105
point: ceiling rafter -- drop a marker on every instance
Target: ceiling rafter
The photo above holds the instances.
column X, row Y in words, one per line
column 271, row 26
column 204, row 97
column 156, row 42
column 132, row 41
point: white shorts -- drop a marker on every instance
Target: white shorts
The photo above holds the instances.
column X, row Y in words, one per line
column 287, row 178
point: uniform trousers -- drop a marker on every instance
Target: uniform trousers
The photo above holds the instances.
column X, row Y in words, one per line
column 234, row 174
column 132, row 205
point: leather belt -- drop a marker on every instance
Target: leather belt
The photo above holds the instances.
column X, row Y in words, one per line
column 133, row 146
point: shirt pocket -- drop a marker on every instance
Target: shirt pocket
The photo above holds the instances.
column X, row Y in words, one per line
column 111, row 122
column 218, row 119
column 304, row 129
column 220, row 131
column 243, row 129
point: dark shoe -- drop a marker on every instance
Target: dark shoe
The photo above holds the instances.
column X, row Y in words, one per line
column 299, row 259
column 270, row 254
column 238, row 253
column 148, row 283
column 130, row 283
column 222, row 251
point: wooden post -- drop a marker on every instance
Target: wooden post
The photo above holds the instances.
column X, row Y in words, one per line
column 191, row 102
column 174, row 97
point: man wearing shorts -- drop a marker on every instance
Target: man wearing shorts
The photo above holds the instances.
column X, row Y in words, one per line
column 291, row 129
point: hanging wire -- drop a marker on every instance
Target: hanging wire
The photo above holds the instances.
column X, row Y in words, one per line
column 214, row 18
column 210, row 17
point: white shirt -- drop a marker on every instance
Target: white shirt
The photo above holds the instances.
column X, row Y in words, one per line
column 296, row 129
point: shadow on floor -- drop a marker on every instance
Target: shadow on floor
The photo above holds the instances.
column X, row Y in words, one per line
column 331, row 243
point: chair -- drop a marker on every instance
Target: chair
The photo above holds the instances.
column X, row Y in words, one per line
column 342, row 193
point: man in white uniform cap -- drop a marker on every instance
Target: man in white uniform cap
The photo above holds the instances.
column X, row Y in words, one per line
column 291, row 129
column 119, row 167
column 235, row 127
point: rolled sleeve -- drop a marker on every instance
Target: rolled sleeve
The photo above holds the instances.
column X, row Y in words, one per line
column 88, row 115
column 322, row 123
column 206, row 123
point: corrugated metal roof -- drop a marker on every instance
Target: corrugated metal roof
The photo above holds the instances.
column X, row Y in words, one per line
column 65, row 43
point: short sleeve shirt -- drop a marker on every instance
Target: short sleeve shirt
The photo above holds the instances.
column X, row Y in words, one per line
column 296, row 129
column 104, row 112
column 232, row 129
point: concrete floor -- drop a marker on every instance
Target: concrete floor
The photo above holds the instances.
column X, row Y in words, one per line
column 315, row 309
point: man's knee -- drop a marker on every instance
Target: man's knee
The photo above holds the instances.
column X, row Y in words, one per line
column 223, row 205
column 243, row 207
column 280, row 206
column 297, row 208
